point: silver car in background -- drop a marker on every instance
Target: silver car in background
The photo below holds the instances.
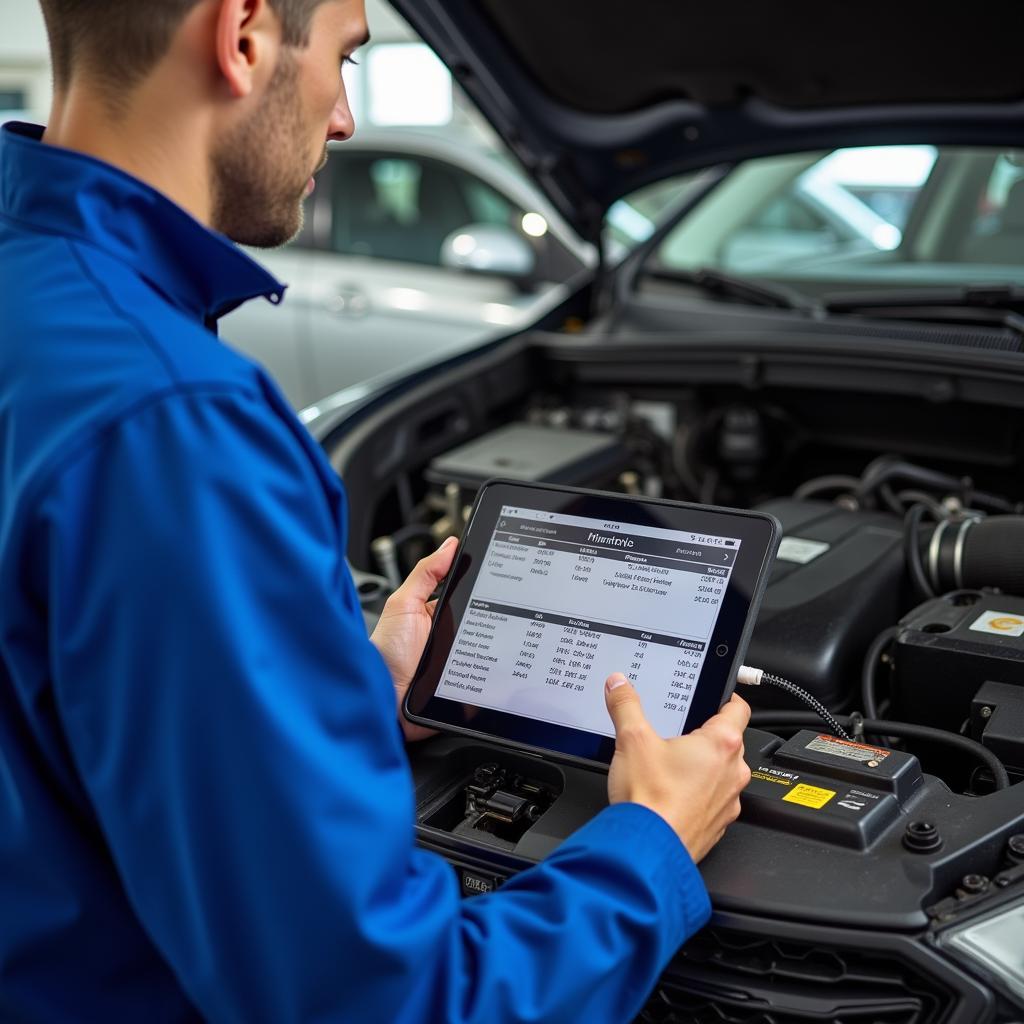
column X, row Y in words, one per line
column 414, row 247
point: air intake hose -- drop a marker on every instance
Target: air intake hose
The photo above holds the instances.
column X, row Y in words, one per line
column 973, row 553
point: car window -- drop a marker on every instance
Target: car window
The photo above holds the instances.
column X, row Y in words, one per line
column 489, row 206
column 996, row 231
column 788, row 213
column 793, row 222
column 403, row 207
column 632, row 219
column 394, row 187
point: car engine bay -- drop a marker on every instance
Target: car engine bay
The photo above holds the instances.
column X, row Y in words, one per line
column 897, row 601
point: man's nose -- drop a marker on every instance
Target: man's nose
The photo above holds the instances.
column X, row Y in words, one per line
column 342, row 124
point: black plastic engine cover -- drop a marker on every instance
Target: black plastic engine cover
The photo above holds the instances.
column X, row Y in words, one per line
column 772, row 862
column 836, row 584
column 822, row 911
column 948, row 647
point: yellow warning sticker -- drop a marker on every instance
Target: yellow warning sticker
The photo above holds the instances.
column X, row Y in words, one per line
column 809, row 796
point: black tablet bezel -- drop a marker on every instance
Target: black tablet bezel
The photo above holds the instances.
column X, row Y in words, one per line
column 759, row 535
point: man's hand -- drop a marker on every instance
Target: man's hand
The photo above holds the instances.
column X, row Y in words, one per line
column 401, row 632
column 692, row 781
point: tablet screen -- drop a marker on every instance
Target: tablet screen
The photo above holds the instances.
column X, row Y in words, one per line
column 562, row 601
column 555, row 588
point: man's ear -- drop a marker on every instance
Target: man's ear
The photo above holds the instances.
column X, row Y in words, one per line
column 248, row 40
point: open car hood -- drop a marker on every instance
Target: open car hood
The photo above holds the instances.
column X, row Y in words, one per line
column 598, row 98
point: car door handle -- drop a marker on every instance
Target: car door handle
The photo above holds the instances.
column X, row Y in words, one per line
column 348, row 300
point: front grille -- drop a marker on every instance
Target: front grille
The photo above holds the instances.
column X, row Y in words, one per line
column 722, row 976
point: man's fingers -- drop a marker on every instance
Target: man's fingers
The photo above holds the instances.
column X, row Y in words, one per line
column 736, row 712
column 428, row 573
column 727, row 726
column 624, row 705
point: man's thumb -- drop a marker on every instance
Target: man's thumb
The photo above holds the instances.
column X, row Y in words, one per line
column 428, row 572
column 623, row 703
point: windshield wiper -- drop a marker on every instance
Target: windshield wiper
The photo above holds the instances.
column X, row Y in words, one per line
column 753, row 293
column 999, row 296
column 994, row 305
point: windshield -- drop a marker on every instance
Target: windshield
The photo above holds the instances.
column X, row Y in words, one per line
column 849, row 219
column 633, row 219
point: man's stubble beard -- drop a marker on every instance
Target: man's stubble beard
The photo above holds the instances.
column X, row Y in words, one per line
column 258, row 184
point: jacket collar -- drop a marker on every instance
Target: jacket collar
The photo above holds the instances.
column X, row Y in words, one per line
column 64, row 192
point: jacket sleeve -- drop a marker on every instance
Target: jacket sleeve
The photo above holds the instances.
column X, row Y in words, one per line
column 235, row 730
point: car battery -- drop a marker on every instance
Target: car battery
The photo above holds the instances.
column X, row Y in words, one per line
column 836, row 584
column 834, row 790
column 948, row 648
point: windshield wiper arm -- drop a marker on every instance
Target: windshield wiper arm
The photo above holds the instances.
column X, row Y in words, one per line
column 753, row 293
column 995, row 305
column 999, row 297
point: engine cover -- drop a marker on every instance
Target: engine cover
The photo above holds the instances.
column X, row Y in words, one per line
column 836, row 584
column 958, row 659
column 824, row 910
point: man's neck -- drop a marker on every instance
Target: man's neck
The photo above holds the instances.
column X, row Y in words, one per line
column 165, row 150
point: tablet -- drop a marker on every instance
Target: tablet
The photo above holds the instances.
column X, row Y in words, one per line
column 555, row 588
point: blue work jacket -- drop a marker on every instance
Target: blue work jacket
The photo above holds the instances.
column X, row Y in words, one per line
column 205, row 806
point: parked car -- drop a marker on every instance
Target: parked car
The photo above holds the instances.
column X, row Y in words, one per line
column 414, row 246
column 872, row 398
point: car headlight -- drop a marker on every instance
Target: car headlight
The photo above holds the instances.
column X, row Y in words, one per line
column 995, row 943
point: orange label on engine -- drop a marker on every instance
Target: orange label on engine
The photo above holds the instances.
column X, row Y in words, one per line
column 1000, row 623
column 847, row 748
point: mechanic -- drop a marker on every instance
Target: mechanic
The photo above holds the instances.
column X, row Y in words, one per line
column 205, row 806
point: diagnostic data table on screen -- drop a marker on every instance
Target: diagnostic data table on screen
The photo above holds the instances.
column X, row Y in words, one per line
column 563, row 601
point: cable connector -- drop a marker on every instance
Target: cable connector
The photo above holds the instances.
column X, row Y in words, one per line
column 857, row 726
column 749, row 676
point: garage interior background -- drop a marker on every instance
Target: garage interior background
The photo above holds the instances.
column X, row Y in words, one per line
column 397, row 84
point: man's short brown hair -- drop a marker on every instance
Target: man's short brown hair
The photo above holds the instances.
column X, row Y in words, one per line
column 119, row 41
